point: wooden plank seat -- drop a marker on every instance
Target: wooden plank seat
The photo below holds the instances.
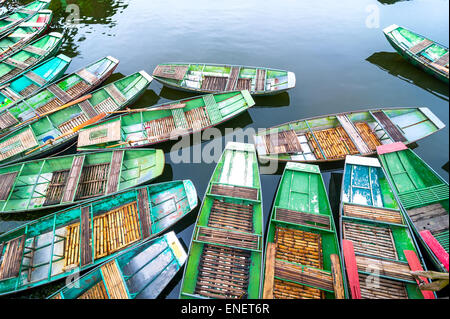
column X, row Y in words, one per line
column 419, row 47
column 7, row 182
column 113, row 281
column 214, row 83
column 10, row 94
column 171, row 72
column 231, row 216
column 431, row 217
column 98, row 291
column 88, row 76
column 302, row 218
column 12, row 257
column 19, row 64
column 144, row 212
column 260, row 80
column 227, row 237
column 372, row 213
column 223, row 272
column 443, row 60
column 55, row 188
column 72, row 180
column 233, row 78
column 86, row 240
column 17, row 144
column 116, row 165
column 394, row 269
column 7, row 120
column 35, row 50
column 382, row 289
column 116, row 95
column 30, row 89
column 212, row 109
column 389, row 126
column 244, row 84
column 92, row 181
column 79, row 89
column 59, row 93
column 87, row 108
column 334, row 142
column 234, row 191
column 179, row 118
column 352, row 132
column 285, row 142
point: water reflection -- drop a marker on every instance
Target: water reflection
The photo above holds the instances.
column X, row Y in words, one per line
column 277, row 100
column 390, row 1
column 397, row 66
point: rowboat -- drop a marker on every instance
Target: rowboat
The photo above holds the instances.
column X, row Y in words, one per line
column 29, row 56
column 20, row 15
column 53, row 129
column 143, row 127
column 86, row 235
column 51, row 97
column 378, row 246
column 25, row 32
column 332, row 137
column 424, row 196
column 62, row 181
column 28, row 83
column 422, row 52
column 214, row 78
column 225, row 255
column 302, row 252
column 140, row 272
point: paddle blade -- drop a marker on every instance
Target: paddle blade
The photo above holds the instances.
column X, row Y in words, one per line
column 436, row 247
column 351, row 268
column 93, row 120
column 415, row 265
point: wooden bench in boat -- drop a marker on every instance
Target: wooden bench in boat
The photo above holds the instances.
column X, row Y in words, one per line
column 113, row 281
column 233, row 78
column 231, row 216
column 79, row 89
column 105, row 133
column 16, row 63
column 212, row 109
column 234, row 191
column 12, row 257
column 302, row 218
column 394, row 269
column 72, row 180
column 214, row 83
column 35, row 50
column 56, row 187
column 93, row 181
column 389, row 126
column 17, row 144
column 352, row 132
column 386, row 288
column 115, row 94
column 36, row 78
column 88, row 76
column 244, row 84
column 260, row 80
column 59, row 93
column 226, row 237
column 419, row 47
column 179, row 119
column 171, row 72
column 372, row 213
column 10, row 94
column 87, row 108
column 86, row 240
column 7, row 182
column 114, row 174
column 431, row 217
column 144, row 212
column 443, row 60
column 7, row 120
column 30, row 89
column 285, row 142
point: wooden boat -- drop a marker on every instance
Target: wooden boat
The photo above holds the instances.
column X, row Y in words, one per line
column 86, row 235
column 25, row 33
column 50, row 97
column 214, row 78
column 143, row 127
column 61, row 181
column 28, row 83
column 29, row 56
column 422, row 52
column 53, row 129
column 302, row 252
column 20, row 15
column 378, row 247
column 332, row 137
column 425, row 197
column 140, row 272
column 225, row 255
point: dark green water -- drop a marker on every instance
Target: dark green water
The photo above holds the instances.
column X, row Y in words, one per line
column 336, row 48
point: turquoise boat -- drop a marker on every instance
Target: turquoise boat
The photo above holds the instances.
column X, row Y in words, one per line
column 25, row 32
column 140, row 272
column 86, row 235
column 26, row 84
column 29, row 56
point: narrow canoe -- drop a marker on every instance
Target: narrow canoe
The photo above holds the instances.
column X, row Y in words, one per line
column 84, row 236
column 332, row 137
column 53, row 96
column 157, row 124
column 225, row 255
column 20, row 15
column 425, row 197
column 60, row 126
column 26, row 84
column 374, row 225
column 302, row 252
column 65, row 180
column 140, row 272
column 29, row 56
column 422, row 52
column 214, row 78
column 25, row 32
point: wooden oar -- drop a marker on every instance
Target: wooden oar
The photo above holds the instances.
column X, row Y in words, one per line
column 170, row 107
column 62, row 107
column 126, row 142
column 74, row 130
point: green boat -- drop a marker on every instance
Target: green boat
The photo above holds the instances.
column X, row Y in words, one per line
column 225, row 255
column 62, row 181
column 26, row 84
column 29, row 56
column 84, row 236
column 143, row 127
column 422, row 52
column 425, row 197
column 25, row 33
column 214, row 78
column 51, row 97
column 54, row 129
column 374, row 225
column 21, row 14
column 332, row 137
column 140, row 272
column 302, row 252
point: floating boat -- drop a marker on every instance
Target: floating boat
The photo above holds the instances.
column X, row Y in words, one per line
column 86, row 235
column 29, row 56
column 25, row 33
column 52, row 130
column 140, row 272
column 28, row 83
column 425, row 197
column 214, row 78
column 20, row 15
column 62, row 181
column 379, row 248
column 332, row 137
column 302, row 252
column 143, row 127
column 422, row 52
column 225, row 255
column 56, row 95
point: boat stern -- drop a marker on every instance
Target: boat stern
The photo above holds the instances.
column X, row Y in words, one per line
column 113, row 59
column 64, row 58
column 176, row 247
column 432, row 117
column 147, row 76
column 390, row 28
column 191, row 193
column 362, row 161
column 291, row 80
column 56, row 35
column 160, row 161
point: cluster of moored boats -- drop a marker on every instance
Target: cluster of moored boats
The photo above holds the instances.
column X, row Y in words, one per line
column 113, row 223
